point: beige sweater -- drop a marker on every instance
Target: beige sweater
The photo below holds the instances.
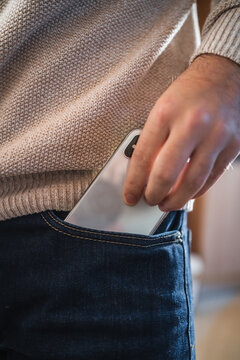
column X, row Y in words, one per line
column 77, row 76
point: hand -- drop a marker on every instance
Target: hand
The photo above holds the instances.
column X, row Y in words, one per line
column 191, row 136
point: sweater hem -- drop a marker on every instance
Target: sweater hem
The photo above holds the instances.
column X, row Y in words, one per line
column 57, row 190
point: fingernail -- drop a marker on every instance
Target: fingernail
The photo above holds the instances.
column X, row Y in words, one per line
column 130, row 199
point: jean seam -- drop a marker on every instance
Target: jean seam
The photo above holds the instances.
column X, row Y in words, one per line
column 110, row 234
column 188, row 303
column 108, row 241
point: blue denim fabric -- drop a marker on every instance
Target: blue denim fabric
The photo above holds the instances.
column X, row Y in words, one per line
column 71, row 293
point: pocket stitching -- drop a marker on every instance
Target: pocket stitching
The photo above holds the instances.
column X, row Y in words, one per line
column 108, row 241
column 112, row 234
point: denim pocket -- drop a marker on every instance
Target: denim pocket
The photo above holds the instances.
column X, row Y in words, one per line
column 92, row 294
column 134, row 290
column 167, row 233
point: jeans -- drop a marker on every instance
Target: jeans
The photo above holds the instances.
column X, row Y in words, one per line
column 71, row 293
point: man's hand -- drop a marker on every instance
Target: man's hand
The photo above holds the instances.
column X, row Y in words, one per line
column 190, row 137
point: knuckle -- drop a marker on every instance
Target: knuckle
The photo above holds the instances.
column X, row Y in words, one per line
column 203, row 167
column 140, row 157
column 195, row 183
column 130, row 188
column 164, row 178
column 161, row 113
column 198, row 118
column 222, row 131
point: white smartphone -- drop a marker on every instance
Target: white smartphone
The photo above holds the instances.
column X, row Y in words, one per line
column 102, row 207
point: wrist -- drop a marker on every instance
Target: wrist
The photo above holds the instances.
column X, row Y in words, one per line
column 216, row 64
column 217, row 70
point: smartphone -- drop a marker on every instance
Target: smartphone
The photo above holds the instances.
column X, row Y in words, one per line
column 102, row 207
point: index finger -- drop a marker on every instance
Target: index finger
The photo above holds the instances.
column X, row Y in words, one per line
column 152, row 137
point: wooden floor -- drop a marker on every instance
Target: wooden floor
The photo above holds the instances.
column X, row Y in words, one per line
column 217, row 325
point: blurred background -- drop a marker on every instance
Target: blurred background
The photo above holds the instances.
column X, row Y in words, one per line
column 215, row 261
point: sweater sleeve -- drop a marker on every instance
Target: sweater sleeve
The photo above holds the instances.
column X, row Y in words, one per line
column 221, row 31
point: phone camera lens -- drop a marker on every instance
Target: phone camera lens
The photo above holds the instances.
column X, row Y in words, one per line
column 130, row 148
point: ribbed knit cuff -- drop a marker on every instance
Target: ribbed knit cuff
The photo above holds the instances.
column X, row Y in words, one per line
column 221, row 37
column 28, row 194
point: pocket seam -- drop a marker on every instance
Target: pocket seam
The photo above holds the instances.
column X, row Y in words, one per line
column 106, row 241
column 187, row 295
column 110, row 234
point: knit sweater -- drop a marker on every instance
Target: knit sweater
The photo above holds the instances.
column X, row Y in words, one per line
column 77, row 76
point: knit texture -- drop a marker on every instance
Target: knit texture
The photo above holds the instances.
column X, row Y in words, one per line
column 221, row 31
column 77, row 77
